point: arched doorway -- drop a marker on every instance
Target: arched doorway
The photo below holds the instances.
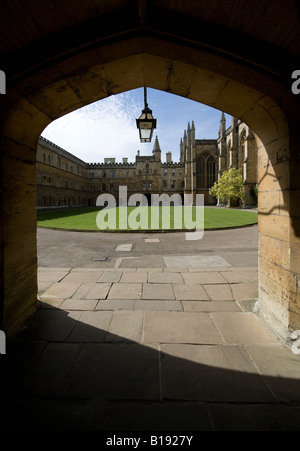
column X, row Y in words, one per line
column 40, row 91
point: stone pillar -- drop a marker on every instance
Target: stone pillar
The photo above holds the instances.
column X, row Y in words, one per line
column 18, row 234
column 279, row 228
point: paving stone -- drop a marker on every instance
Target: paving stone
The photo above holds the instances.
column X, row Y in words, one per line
column 157, row 291
column 212, row 261
column 91, row 327
column 125, row 326
column 60, row 290
column 113, row 276
column 203, row 278
column 134, row 277
column 243, row 291
column 242, row 328
column 156, row 417
column 280, row 367
column 57, row 414
column 237, row 276
column 210, row 306
column 254, row 417
column 51, row 324
column 211, row 373
column 179, row 327
column 181, row 270
column 116, row 371
column 115, row 304
column 149, row 261
column 51, row 302
column 123, row 247
column 219, row 292
column 82, row 276
column 79, row 304
column 125, row 291
column 158, row 305
column 190, row 293
column 148, row 270
column 92, row 291
column 52, row 276
column 165, row 277
column 49, row 374
column 42, row 286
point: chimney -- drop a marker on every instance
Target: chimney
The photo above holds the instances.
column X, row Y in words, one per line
column 169, row 157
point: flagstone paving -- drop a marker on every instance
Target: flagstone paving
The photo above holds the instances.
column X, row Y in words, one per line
column 151, row 348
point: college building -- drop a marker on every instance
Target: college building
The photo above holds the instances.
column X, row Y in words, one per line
column 65, row 180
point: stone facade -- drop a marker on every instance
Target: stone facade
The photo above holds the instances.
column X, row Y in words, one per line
column 65, row 180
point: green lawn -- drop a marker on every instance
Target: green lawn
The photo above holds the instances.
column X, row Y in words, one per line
column 140, row 219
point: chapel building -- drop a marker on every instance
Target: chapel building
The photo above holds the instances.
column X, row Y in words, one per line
column 63, row 180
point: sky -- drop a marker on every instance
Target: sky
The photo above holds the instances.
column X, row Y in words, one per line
column 107, row 128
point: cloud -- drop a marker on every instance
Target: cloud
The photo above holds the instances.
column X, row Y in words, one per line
column 107, row 128
column 103, row 129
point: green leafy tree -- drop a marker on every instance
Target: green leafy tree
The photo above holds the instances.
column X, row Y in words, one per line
column 229, row 187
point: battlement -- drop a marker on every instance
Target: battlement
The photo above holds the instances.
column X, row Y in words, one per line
column 60, row 151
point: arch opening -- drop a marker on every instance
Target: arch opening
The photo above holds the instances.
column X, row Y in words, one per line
column 33, row 103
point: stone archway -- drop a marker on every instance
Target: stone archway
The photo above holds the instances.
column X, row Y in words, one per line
column 48, row 91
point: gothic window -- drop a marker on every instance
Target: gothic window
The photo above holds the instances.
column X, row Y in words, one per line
column 201, row 172
column 244, row 156
column 210, row 171
column 206, row 171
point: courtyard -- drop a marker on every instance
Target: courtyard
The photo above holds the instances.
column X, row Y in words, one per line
column 150, row 332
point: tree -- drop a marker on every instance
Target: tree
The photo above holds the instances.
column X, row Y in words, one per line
column 229, row 187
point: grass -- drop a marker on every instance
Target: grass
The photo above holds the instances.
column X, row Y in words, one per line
column 85, row 219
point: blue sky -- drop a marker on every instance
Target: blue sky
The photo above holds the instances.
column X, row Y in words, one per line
column 107, row 128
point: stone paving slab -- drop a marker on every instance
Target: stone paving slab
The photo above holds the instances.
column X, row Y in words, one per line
column 207, row 261
column 243, row 291
column 53, row 276
column 125, row 326
column 164, row 277
column 242, row 328
column 210, row 306
column 219, row 292
column 60, row 290
column 204, row 278
column 130, row 372
column 162, row 341
column 158, row 305
column 92, row 327
column 92, row 291
column 82, row 276
column 190, row 293
column 113, row 276
column 156, row 417
column 211, row 373
column 115, row 304
column 158, row 291
column 238, row 276
column 79, row 304
column 134, row 277
column 278, row 364
column 125, row 291
column 254, row 417
column 180, row 327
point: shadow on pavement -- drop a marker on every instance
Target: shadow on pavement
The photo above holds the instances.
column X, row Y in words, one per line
column 72, row 376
